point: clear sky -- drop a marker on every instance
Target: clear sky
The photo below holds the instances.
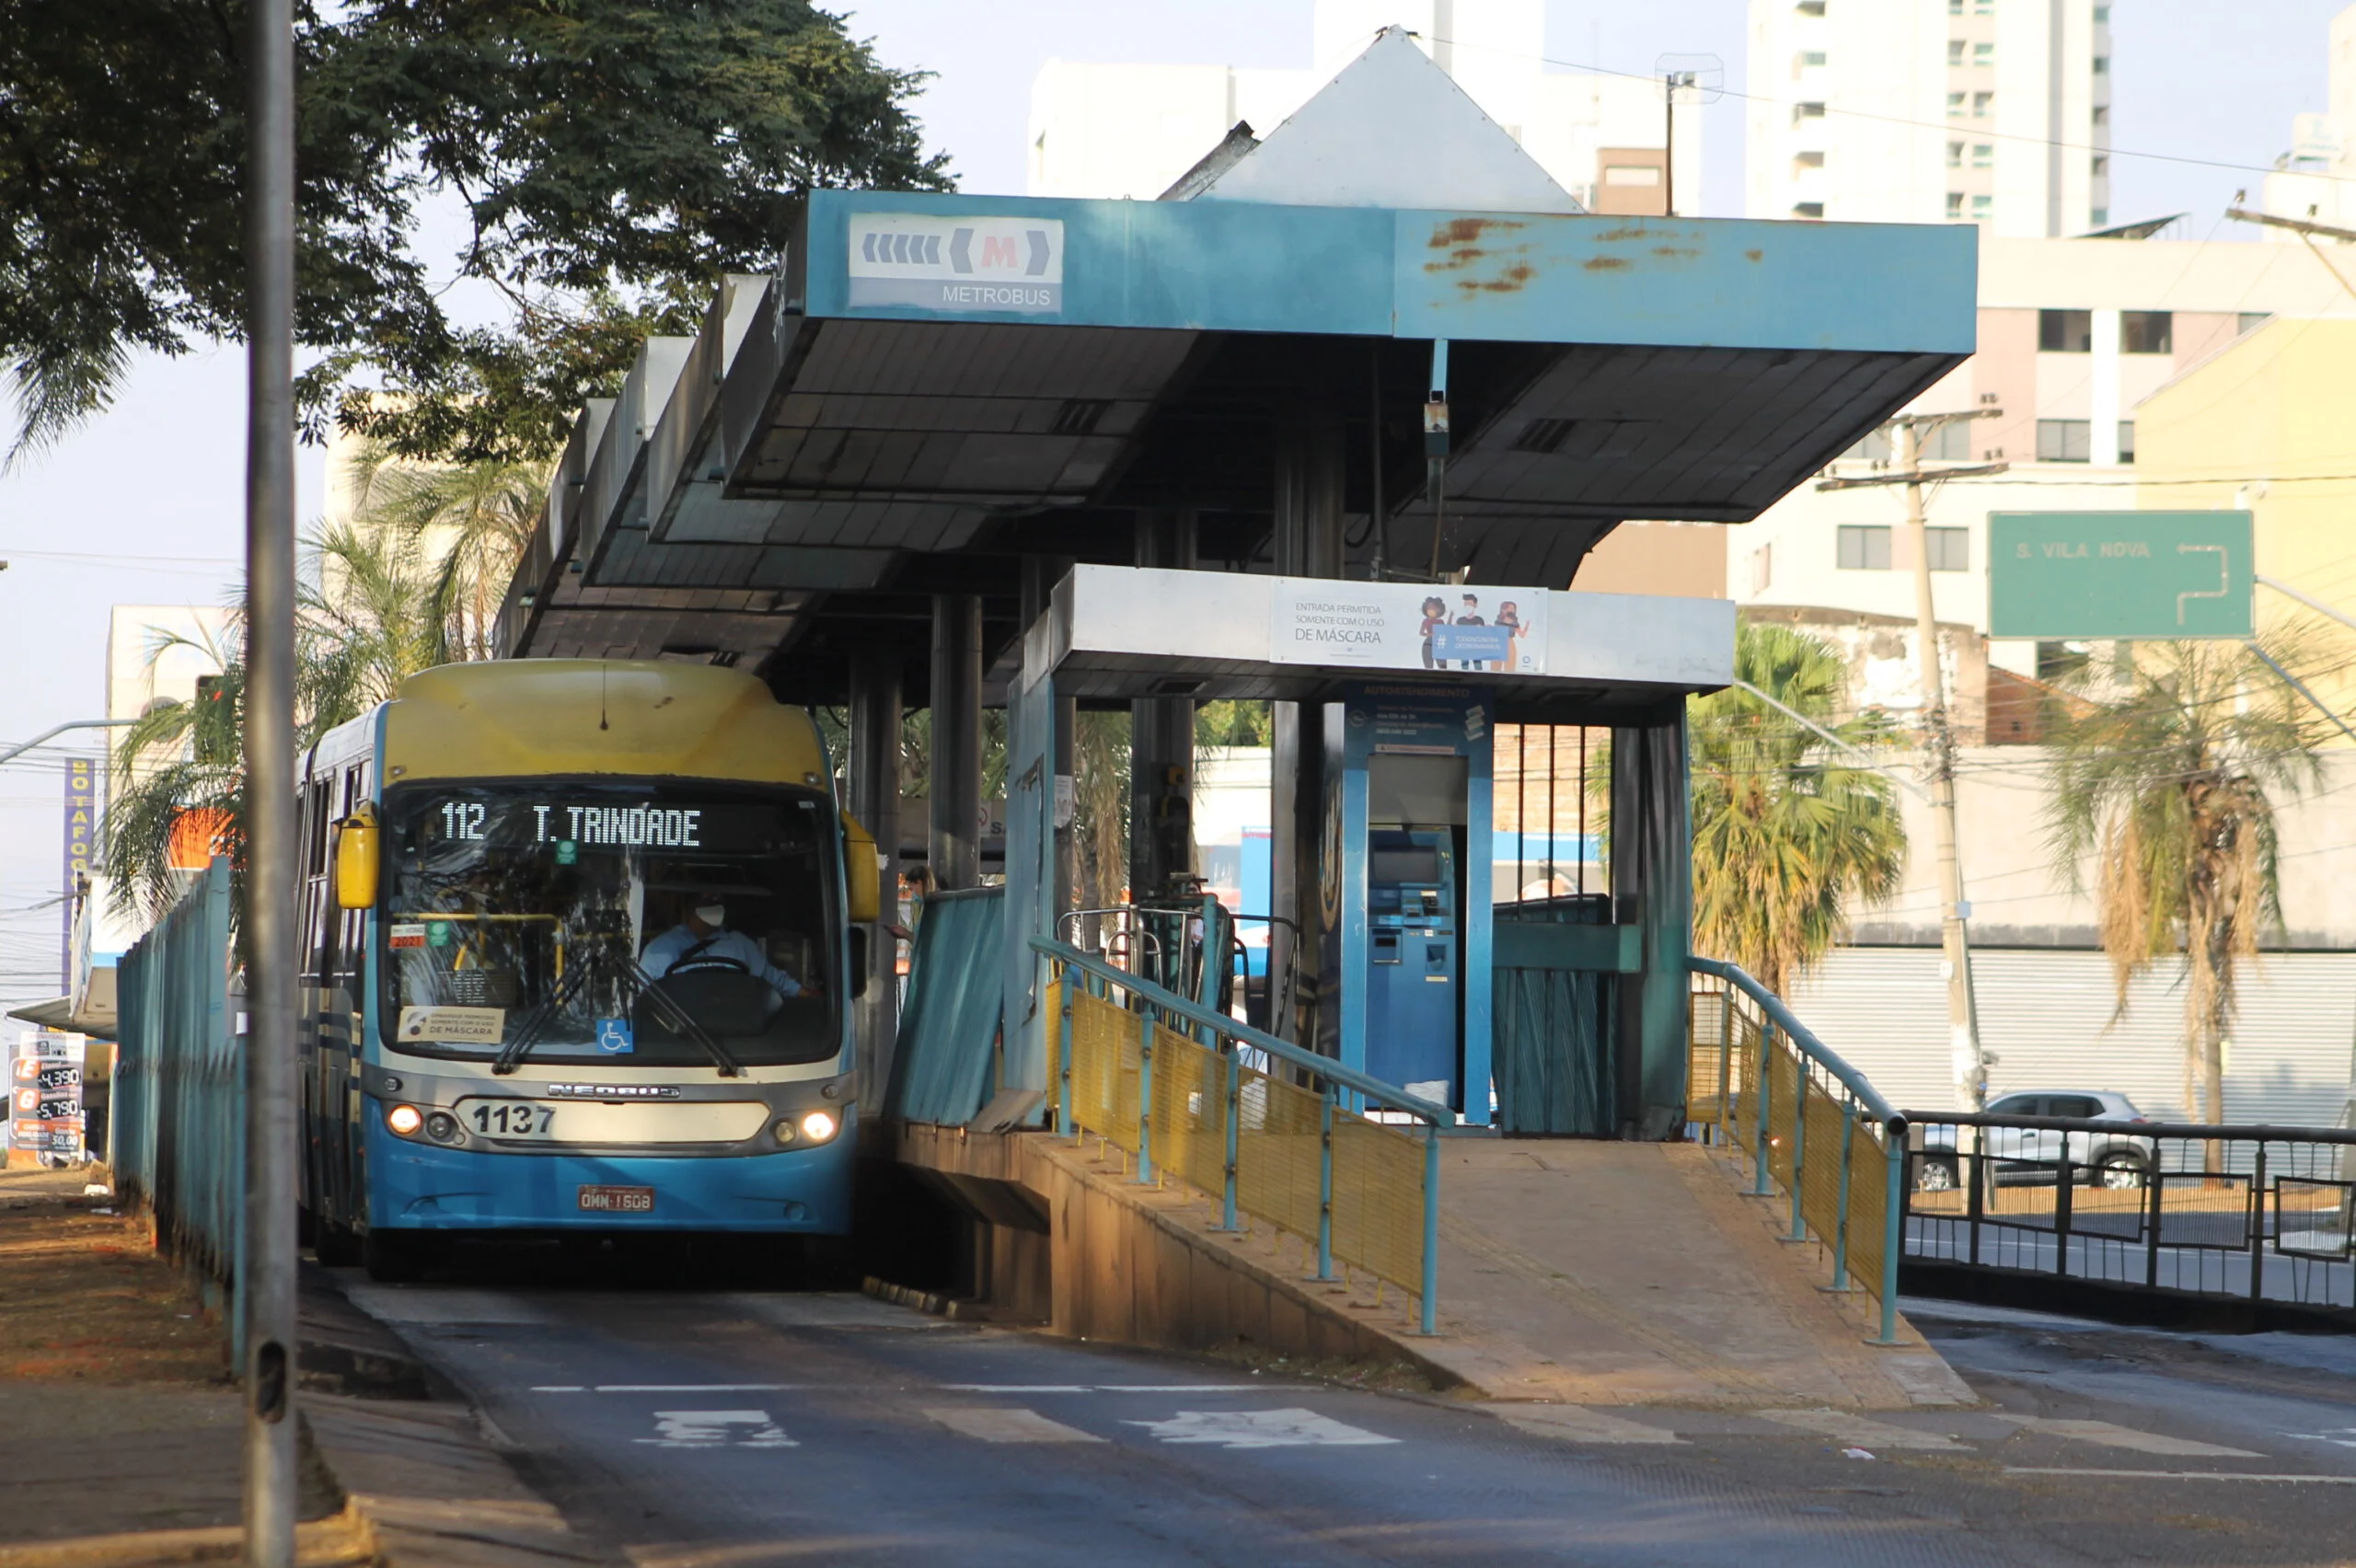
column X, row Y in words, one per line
column 145, row 505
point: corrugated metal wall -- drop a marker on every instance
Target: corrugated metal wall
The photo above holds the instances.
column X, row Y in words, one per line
column 2048, row 1014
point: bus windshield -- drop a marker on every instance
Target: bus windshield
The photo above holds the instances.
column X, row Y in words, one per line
column 650, row 924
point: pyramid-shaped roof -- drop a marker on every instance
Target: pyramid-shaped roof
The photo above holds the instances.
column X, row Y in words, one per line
column 1391, row 130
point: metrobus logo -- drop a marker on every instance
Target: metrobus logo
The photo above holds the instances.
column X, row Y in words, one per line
column 966, row 264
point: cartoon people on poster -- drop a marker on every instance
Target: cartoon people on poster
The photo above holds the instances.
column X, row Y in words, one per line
column 1434, row 615
column 1510, row 617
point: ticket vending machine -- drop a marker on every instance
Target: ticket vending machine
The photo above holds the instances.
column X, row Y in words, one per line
column 1413, row 955
column 1405, row 914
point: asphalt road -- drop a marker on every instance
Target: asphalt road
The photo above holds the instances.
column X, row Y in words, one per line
column 737, row 1430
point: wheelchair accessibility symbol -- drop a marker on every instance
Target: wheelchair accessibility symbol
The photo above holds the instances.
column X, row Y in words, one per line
column 615, row 1037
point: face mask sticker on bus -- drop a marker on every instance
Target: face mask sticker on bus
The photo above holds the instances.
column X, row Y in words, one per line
column 616, row 1037
column 454, row 1026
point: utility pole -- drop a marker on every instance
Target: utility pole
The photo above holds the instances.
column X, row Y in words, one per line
column 1670, row 82
column 1955, row 912
column 267, row 1290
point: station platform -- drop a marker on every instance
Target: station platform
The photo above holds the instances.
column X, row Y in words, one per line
column 1573, row 1273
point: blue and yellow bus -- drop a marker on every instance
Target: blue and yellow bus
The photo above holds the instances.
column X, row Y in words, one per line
column 580, row 939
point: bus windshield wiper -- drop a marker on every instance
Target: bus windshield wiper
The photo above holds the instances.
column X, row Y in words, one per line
column 668, row 1011
column 680, row 1022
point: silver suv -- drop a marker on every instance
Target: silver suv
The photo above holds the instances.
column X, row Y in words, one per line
column 2033, row 1153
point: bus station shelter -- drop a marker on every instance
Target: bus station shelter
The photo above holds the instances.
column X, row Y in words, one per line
column 1377, row 346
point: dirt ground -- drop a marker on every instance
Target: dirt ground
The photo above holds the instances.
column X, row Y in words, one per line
column 117, row 1413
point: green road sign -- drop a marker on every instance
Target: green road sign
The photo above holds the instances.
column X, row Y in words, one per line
column 2073, row 575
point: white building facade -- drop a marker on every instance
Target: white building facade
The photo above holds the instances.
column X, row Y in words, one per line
column 1113, row 131
column 1931, row 111
column 2317, row 175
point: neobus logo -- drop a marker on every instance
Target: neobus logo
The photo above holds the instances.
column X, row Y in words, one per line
column 612, row 1091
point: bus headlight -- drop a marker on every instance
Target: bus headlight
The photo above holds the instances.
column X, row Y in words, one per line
column 819, row 1126
column 405, row 1119
column 785, row 1130
column 442, row 1127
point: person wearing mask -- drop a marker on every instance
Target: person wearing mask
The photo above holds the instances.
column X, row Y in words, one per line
column 702, row 940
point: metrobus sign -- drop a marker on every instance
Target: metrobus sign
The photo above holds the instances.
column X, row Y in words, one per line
column 2141, row 575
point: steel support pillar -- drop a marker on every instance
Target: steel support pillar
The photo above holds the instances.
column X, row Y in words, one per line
column 1308, row 539
column 957, row 753
column 1162, row 739
column 1040, row 575
column 875, row 801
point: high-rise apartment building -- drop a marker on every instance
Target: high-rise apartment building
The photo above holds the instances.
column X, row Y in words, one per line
column 1986, row 111
column 2316, row 179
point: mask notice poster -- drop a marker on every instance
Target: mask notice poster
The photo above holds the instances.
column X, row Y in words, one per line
column 45, row 1107
column 1470, row 629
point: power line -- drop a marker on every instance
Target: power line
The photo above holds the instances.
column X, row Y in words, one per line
column 1941, row 126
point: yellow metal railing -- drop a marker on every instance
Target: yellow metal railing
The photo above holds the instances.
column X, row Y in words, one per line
column 1273, row 1129
column 1814, row 1128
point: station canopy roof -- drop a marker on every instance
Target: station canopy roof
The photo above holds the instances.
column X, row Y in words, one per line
column 934, row 386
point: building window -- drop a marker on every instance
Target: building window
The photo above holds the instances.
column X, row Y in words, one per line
column 1955, row 205
column 1951, row 548
column 1811, row 8
column 2065, row 331
column 1811, row 57
column 1981, row 104
column 1954, row 103
column 2064, row 441
column 2099, row 217
column 2102, row 167
column 2102, row 64
column 2102, row 114
column 2102, row 15
column 2251, row 320
column 1954, row 7
column 1863, row 547
column 1954, row 51
column 1984, row 7
column 1874, row 448
column 1981, row 206
column 1807, row 111
column 2146, row 332
column 1948, row 442
column 1811, row 211
column 1955, row 154
column 2127, row 441
column 1983, row 54
column 1807, row 160
column 1762, row 566
column 1983, row 154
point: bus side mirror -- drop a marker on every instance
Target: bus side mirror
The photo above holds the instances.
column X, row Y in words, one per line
column 862, row 878
column 860, row 962
column 355, row 861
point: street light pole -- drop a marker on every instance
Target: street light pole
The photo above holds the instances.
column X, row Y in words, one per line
column 267, row 1294
column 1955, row 912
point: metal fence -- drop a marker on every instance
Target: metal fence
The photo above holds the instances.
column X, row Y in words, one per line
column 1814, row 1128
column 2259, row 1214
column 1266, row 1125
column 176, row 1135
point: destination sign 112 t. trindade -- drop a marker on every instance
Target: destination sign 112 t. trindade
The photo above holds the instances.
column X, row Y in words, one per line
column 2142, row 575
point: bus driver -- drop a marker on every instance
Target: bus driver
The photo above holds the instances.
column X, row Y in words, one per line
column 702, row 939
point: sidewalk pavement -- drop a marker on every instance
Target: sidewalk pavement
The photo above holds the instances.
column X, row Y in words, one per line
column 120, row 1427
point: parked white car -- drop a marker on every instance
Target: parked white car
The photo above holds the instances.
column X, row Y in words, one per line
column 2032, row 1154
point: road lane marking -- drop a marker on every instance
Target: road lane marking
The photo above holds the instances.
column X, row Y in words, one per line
column 1016, row 1388
column 1127, row 1388
column 2343, row 1437
column 716, row 1429
column 1260, row 1429
column 1862, row 1431
column 2115, row 1436
column 1577, row 1424
column 2182, row 1475
column 1010, row 1426
column 695, row 1388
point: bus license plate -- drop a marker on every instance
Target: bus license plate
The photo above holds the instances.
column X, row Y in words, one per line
column 618, row 1200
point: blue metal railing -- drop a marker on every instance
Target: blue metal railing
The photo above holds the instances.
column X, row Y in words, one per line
column 1229, row 1039
column 1820, row 1080
column 176, row 1133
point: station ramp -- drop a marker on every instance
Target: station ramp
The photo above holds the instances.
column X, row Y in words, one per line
column 1558, row 1271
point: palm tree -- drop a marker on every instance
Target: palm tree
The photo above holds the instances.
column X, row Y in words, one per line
column 472, row 520
column 367, row 619
column 1787, row 831
column 2166, row 771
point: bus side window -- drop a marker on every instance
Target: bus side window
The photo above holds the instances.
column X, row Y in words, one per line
column 314, row 806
